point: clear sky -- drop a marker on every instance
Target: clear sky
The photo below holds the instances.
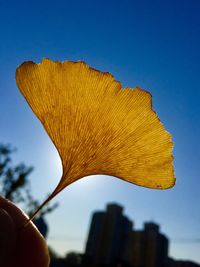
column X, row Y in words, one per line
column 147, row 43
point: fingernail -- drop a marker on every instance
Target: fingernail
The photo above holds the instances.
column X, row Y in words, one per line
column 8, row 236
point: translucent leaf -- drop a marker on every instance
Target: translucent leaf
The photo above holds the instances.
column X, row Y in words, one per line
column 96, row 126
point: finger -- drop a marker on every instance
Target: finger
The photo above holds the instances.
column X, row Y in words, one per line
column 7, row 237
column 31, row 249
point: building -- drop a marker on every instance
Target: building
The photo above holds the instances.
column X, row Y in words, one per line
column 108, row 238
column 155, row 246
column 148, row 248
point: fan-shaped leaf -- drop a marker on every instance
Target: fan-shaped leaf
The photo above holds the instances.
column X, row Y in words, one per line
column 96, row 126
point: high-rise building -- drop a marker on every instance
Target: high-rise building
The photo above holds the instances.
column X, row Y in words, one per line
column 155, row 246
column 149, row 248
column 108, row 238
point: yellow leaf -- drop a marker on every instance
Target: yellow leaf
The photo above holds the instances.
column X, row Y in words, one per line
column 96, row 126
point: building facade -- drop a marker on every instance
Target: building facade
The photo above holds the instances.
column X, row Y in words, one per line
column 108, row 238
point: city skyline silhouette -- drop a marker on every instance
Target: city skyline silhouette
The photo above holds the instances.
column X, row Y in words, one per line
column 113, row 241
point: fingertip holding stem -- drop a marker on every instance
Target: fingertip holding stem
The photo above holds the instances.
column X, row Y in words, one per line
column 20, row 246
column 8, row 236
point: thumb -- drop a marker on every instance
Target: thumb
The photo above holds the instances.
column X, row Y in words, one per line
column 8, row 237
column 20, row 246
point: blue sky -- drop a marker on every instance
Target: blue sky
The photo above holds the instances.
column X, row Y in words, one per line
column 151, row 44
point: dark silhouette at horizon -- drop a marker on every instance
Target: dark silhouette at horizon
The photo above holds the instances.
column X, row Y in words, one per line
column 113, row 242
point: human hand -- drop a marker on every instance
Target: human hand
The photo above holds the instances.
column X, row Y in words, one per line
column 20, row 247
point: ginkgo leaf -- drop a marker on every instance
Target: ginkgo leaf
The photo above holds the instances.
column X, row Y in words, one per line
column 96, row 126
